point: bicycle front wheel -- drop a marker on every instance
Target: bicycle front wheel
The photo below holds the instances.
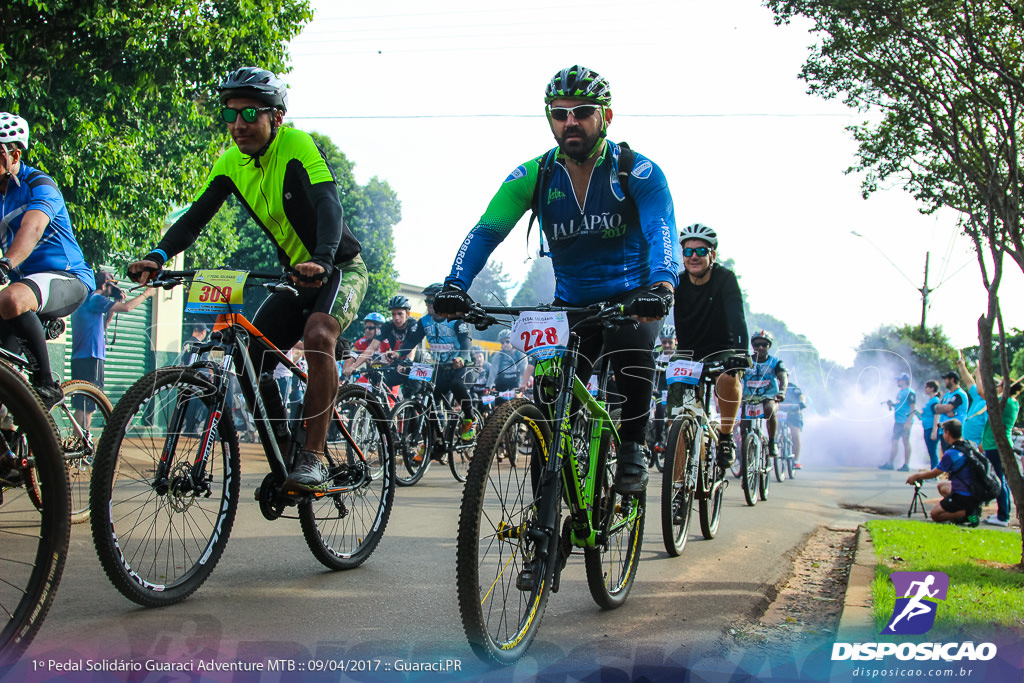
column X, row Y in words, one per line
column 343, row 529
column 750, row 475
column 611, row 564
column 35, row 529
column 161, row 515
column 500, row 602
column 415, row 442
column 80, row 419
column 712, row 484
column 764, row 470
column 779, row 464
column 677, row 486
column 462, row 454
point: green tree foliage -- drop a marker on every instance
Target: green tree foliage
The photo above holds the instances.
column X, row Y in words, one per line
column 119, row 97
column 491, row 286
column 946, row 79
column 539, row 284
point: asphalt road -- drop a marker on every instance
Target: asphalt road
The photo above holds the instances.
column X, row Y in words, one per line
column 269, row 598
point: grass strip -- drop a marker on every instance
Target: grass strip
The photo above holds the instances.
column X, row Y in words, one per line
column 986, row 590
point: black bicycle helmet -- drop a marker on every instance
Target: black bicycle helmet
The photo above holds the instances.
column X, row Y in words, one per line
column 259, row 84
column 399, row 301
column 431, row 290
column 581, row 83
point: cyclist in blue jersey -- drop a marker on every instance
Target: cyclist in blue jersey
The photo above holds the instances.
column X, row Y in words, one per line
column 610, row 233
column 41, row 257
column 449, row 345
column 766, row 380
column 903, row 415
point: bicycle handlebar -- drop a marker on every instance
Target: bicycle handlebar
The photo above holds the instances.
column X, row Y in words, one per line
column 169, row 279
column 605, row 313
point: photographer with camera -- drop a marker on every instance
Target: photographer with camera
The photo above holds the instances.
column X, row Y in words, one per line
column 959, row 502
column 88, row 334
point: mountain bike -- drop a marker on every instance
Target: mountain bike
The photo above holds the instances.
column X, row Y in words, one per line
column 166, row 478
column 691, row 466
column 533, row 457
column 428, row 429
column 80, row 420
column 755, row 469
column 783, row 463
column 35, row 510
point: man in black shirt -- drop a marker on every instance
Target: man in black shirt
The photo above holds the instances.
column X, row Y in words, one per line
column 710, row 325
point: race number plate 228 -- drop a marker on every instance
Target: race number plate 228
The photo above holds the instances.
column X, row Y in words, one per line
column 541, row 334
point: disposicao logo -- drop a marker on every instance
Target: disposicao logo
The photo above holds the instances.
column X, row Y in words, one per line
column 914, row 613
column 918, row 595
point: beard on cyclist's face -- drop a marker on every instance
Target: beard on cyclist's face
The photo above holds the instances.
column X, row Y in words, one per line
column 576, row 137
column 250, row 137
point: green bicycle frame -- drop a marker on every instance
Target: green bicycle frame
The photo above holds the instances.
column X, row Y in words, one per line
column 580, row 492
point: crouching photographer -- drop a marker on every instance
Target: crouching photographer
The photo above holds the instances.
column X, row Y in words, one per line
column 968, row 487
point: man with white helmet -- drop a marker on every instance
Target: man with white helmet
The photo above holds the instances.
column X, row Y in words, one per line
column 711, row 327
column 766, row 380
column 41, row 257
column 507, row 368
column 284, row 181
column 611, row 235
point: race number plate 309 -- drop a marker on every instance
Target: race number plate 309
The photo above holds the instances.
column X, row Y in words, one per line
column 541, row 334
column 216, row 291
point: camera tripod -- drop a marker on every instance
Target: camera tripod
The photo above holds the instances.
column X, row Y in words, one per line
column 918, row 502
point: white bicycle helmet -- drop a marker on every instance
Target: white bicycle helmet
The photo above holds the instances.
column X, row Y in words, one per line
column 14, row 129
column 699, row 231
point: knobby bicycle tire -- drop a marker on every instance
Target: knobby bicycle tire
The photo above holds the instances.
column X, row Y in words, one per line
column 415, row 440
column 676, row 487
column 499, row 510
column 764, row 470
column 461, row 456
column 612, row 564
column 750, row 478
column 159, row 541
column 343, row 529
column 34, row 529
column 779, row 462
column 712, row 483
column 78, row 442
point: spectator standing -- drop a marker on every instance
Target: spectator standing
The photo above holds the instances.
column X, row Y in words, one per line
column 988, row 444
column 903, row 416
column 89, row 325
column 954, row 402
column 930, row 422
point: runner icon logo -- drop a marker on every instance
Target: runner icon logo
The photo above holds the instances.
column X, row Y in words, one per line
column 914, row 612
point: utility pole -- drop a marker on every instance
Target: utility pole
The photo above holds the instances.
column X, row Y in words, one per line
column 924, row 295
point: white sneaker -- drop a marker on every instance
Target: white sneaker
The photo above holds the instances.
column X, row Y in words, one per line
column 995, row 521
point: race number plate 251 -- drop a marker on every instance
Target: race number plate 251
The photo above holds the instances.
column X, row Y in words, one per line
column 685, row 371
column 216, row 291
column 541, row 334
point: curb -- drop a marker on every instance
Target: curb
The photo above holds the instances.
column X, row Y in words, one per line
column 857, row 619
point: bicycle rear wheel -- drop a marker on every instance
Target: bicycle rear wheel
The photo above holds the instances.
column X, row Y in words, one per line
column 498, row 535
column 611, row 565
column 462, row 454
column 415, row 442
column 78, row 439
column 677, row 486
column 779, row 465
column 750, row 476
column 34, row 530
column 343, row 529
column 159, row 523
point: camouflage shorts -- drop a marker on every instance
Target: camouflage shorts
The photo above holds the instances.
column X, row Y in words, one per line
column 351, row 291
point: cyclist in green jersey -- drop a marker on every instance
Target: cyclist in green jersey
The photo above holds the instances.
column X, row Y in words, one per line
column 285, row 183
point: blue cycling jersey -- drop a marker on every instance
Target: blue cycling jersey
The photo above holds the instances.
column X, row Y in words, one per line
column 606, row 247
column 447, row 338
column 57, row 248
